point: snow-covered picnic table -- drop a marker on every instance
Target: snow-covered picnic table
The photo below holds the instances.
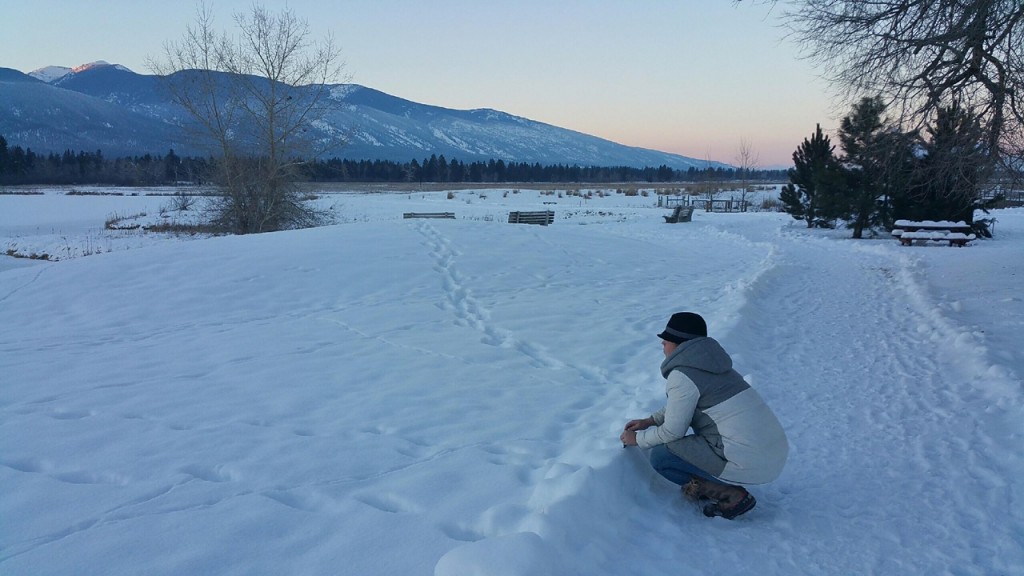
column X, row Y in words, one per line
column 956, row 233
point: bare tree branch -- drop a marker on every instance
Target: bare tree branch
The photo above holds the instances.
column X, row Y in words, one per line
column 259, row 99
column 921, row 56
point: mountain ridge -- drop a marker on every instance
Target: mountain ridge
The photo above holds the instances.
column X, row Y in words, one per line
column 124, row 113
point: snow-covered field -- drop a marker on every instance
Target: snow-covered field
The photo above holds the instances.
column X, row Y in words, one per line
column 416, row 397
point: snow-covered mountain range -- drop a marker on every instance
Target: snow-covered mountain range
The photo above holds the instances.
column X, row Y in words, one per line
column 107, row 107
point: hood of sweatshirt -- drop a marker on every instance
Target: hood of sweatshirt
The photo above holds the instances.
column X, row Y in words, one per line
column 701, row 353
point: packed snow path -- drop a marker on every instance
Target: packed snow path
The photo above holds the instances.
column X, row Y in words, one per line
column 446, row 397
column 894, row 421
column 900, row 458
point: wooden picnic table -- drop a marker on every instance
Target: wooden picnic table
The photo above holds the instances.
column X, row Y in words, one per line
column 956, row 233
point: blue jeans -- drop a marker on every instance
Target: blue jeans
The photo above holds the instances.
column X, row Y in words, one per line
column 674, row 468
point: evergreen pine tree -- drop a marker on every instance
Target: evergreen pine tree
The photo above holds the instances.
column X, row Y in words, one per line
column 3, row 156
column 879, row 161
column 816, row 185
column 950, row 172
column 857, row 133
column 792, row 202
column 868, row 148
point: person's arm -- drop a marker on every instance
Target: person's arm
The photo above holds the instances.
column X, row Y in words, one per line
column 628, row 436
column 643, row 424
column 658, row 417
column 675, row 418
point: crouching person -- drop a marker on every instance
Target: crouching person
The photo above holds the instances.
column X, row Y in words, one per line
column 736, row 438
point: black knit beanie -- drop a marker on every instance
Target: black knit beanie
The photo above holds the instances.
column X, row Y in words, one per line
column 683, row 326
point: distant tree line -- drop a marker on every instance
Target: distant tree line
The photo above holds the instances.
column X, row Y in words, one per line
column 21, row 166
column 439, row 169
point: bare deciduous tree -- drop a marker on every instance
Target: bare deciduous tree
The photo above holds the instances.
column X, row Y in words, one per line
column 259, row 100
column 746, row 161
column 707, row 187
column 924, row 55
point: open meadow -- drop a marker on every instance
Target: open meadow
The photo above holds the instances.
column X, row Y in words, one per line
column 444, row 396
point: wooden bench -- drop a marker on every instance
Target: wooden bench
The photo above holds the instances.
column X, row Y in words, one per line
column 679, row 214
column 542, row 218
column 956, row 233
column 429, row 215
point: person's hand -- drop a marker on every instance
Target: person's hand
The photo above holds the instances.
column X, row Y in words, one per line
column 635, row 425
column 628, row 438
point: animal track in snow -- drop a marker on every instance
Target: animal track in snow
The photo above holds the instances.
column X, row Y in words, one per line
column 390, row 503
column 467, row 309
column 209, row 473
column 28, row 465
column 304, row 501
column 89, row 477
column 461, row 532
column 71, row 414
column 71, row 476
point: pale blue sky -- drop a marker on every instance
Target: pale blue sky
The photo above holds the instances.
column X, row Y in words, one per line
column 693, row 77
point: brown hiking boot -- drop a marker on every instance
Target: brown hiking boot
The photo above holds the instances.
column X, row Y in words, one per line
column 693, row 490
column 742, row 507
column 728, row 501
